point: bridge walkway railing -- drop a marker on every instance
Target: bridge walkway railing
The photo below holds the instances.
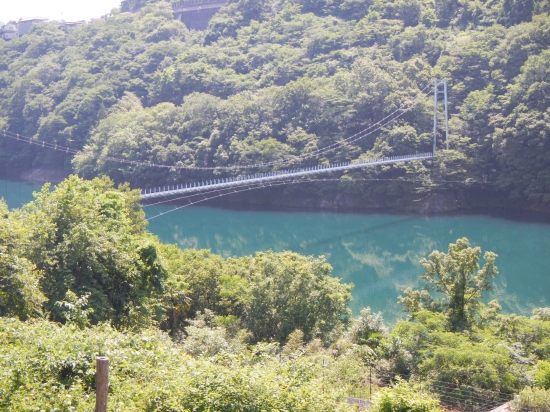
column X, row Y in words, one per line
column 230, row 182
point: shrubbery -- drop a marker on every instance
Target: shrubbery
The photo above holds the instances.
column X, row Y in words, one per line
column 532, row 399
column 542, row 377
column 265, row 332
column 87, row 238
column 46, row 366
column 404, row 397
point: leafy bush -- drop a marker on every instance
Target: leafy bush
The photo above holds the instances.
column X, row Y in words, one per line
column 287, row 291
column 457, row 278
column 272, row 294
column 46, row 366
column 368, row 328
column 542, row 378
column 485, row 365
column 20, row 293
column 532, row 399
column 404, row 397
column 541, row 314
column 204, row 338
column 83, row 238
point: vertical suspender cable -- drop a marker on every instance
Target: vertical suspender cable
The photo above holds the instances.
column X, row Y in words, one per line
column 435, row 114
column 446, row 114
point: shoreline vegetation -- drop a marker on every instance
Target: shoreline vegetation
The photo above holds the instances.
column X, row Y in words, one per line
column 270, row 202
column 81, row 277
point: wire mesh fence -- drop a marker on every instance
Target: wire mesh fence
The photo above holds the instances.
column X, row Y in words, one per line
column 454, row 397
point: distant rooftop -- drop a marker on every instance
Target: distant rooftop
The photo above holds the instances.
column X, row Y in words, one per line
column 73, row 23
column 33, row 19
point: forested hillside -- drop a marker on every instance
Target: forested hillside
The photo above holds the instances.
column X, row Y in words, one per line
column 273, row 79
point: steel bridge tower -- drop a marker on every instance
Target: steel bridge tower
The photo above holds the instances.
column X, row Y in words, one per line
column 440, row 87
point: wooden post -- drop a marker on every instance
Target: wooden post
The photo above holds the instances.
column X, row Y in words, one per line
column 370, row 382
column 101, row 384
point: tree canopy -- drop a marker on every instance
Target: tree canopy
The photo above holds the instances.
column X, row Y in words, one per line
column 81, row 253
column 83, row 238
column 270, row 294
column 457, row 281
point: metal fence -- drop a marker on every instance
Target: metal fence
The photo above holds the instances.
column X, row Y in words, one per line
column 455, row 397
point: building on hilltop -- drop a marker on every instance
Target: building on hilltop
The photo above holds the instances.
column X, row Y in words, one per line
column 9, row 31
column 196, row 14
column 69, row 25
column 24, row 25
column 14, row 30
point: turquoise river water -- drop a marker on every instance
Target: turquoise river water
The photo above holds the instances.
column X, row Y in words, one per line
column 379, row 253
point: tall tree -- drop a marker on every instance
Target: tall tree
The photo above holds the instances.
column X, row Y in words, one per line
column 456, row 278
column 89, row 238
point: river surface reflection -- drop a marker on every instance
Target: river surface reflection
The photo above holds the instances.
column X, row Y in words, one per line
column 378, row 253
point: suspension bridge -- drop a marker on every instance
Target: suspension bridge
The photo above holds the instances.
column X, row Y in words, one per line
column 258, row 178
column 279, row 177
column 228, row 185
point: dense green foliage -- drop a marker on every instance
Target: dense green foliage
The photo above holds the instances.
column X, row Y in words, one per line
column 457, row 278
column 51, row 367
column 500, row 353
column 81, row 253
column 536, row 400
column 273, row 79
column 485, row 350
column 189, row 330
column 20, row 294
column 404, row 398
column 542, row 378
column 272, row 293
column 85, row 238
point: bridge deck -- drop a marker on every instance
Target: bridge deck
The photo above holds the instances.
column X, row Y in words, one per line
column 226, row 183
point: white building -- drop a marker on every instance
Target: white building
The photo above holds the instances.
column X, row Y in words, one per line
column 9, row 31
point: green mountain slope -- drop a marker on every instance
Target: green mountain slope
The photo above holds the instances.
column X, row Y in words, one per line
column 272, row 80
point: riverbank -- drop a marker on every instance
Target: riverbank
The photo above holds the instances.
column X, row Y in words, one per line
column 294, row 198
column 359, row 197
column 41, row 175
column 443, row 202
